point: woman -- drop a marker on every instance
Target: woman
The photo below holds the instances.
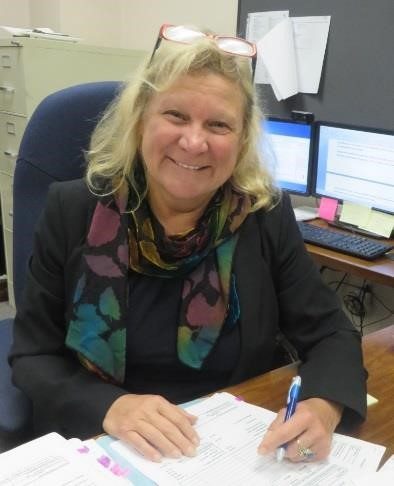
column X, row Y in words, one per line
column 168, row 272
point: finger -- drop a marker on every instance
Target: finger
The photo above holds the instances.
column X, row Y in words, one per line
column 142, row 446
column 154, row 434
column 282, row 433
column 183, row 422
column 173, row 433
column 298, row 450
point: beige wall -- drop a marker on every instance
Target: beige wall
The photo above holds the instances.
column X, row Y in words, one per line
column 118, row 23
column 14, row 13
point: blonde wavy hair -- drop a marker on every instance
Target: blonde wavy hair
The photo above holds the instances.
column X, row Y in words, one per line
column 116, row 139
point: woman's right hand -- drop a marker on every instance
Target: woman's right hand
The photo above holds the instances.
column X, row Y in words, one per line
column 153, row 426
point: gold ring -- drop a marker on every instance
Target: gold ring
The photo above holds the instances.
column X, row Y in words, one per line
column 304, row 452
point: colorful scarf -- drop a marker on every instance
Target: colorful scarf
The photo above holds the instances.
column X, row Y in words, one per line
column 119, row 240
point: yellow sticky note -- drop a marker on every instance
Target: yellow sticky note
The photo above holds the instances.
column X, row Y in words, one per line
column 380, row 223
column 371, row 400
column 354, row 213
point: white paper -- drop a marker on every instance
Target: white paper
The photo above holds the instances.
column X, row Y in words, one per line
column 380, row 478
column 48, row 461
column 292, row 51
column 310, row 40
column 276, row 50
column 96, row 457
column 230, row 431
column 258, row 24
column 388, row 466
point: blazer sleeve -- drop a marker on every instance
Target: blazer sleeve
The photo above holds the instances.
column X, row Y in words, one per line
column 66, row 397
column 311, row 317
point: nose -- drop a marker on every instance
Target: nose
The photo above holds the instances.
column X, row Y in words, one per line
column 193, row 140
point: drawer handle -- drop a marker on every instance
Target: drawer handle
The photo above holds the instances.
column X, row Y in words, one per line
column 7, row 89
column 11, row 213
column 10, row 154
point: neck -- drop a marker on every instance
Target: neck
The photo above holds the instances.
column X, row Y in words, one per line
column 177, row 220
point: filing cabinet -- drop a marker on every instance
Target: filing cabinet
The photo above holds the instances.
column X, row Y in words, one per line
column 30, row 69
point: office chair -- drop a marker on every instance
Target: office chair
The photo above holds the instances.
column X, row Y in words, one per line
column 51, row 150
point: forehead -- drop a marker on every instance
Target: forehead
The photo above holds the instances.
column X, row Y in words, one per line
column 211, row 91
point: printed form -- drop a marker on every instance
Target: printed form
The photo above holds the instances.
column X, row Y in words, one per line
column 230, row 431
column 290, row 50
column 48, row 461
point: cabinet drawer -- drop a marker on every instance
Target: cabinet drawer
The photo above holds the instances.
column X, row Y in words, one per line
column 12, row 86
column 11, row 132
column 6, row 184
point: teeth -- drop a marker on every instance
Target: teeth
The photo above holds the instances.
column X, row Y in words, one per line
column 191, row 167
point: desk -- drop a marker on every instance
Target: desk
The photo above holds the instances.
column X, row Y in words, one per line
column 270, row 390
column 380, row 271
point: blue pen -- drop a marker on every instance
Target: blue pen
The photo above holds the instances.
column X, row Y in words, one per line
column 291, row 404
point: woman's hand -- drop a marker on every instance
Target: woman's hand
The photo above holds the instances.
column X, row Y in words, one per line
column 308, row 431
column 153, row 426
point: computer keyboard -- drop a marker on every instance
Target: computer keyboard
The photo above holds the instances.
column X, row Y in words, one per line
column 350, row 244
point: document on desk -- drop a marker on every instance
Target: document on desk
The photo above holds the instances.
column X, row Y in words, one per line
column 230, row 431
column 384, row 477
column 49, row 461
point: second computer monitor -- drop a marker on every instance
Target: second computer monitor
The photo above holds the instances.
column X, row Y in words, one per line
column 287, row 146
column 355, row 164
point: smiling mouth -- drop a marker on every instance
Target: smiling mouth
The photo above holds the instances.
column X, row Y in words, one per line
column 187, row 166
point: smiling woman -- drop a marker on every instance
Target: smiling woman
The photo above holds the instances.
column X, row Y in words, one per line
column 191, row 138
column 169, row 271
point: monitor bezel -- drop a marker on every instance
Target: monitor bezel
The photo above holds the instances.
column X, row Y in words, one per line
column 350, row 126
column 311, row 124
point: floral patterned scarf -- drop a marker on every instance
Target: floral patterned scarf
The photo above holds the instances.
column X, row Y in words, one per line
column 119, row 240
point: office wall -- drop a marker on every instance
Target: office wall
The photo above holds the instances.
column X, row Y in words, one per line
column 358, row 73
column 15, row 12
column 118, row 23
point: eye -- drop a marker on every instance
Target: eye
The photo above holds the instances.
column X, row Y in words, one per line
column 175, row 115
column 220, row 126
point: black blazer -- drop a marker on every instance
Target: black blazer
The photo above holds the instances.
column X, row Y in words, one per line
column 279, row 288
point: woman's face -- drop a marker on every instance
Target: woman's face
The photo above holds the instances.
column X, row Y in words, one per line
column 191, row 140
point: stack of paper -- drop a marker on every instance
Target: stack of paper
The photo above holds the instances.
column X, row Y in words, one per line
column 51, row 460
column 230, row 431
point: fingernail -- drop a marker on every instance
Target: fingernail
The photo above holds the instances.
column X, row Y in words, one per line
column 190, row 451
column 263, row 450
column 157, row 457
column 176, row 454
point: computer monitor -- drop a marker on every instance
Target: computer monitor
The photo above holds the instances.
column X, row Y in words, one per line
column 355, row 164
column 287, row 144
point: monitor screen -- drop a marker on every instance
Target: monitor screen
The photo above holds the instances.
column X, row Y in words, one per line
column 288, row 146
column 355, row 164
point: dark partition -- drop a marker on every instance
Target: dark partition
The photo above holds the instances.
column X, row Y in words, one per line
column 357, row 84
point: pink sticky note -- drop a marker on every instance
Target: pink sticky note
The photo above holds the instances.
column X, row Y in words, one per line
column 328, row 208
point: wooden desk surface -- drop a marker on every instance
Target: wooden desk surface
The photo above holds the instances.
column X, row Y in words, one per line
column 270, row 390
column 379, row 271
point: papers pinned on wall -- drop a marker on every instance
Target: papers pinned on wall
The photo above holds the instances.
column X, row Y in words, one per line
column 290, row 51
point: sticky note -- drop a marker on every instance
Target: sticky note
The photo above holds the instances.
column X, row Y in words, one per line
column 354, row 213
column 379, row 223
column 371, row 400
column 328, row 208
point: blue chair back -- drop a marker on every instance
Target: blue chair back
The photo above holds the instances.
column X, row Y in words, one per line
column 52, row 149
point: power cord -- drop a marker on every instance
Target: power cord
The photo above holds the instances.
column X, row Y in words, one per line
column 355, row 302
